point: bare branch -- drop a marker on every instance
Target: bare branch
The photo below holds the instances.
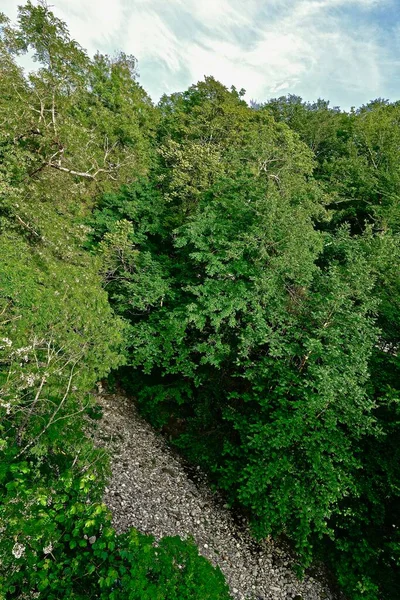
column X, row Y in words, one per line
column 30, row 411
column 27, row 226
column 52, row 418
column 53, row 113
column 86, row 174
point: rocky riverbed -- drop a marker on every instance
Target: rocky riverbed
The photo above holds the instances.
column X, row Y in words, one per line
column 151, row 489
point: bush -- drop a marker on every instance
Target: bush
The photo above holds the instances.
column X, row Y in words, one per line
column 58, row 542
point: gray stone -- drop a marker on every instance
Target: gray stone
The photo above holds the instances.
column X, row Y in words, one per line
column 160, row 498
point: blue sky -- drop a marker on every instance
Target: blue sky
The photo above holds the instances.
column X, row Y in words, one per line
column 346, row 51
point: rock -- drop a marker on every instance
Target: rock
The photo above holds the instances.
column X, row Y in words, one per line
column 160, row 498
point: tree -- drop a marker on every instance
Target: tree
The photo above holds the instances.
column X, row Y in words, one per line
column 73, row 129
column 255, row 339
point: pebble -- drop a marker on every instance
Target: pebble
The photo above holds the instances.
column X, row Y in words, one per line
column 150, row 489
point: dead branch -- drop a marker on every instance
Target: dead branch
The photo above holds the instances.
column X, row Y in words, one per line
column 52, row 418
column 27, row 226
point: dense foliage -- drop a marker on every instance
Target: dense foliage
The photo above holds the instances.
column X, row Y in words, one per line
column 261, row 284
column 74, row 129
column 236, row 268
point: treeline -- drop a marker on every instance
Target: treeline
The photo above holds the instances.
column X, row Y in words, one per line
column 236, row 269
column 70, row 132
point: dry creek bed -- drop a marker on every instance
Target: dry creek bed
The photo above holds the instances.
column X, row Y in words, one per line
column 151, row 489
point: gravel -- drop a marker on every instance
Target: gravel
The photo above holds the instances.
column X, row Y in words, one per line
column 151, row 489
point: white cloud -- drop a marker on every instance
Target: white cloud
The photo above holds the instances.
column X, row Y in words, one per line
column 92, row 23
column 328, row 48
column 9, row 8
column 153, row 39
column 303, row 46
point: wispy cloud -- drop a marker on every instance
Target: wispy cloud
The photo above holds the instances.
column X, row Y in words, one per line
column 343, row 50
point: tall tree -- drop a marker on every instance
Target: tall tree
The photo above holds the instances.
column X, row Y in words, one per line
column 257, row 342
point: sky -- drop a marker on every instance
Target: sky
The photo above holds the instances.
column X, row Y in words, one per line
column 345, row 51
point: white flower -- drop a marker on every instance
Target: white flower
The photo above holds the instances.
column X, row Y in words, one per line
column 7, row 406
column 49, row 548
column 30, row 378
column 7, row 342
column 23, row 350
column 18, row 550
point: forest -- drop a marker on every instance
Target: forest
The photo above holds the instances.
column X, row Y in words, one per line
column 235, row 269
